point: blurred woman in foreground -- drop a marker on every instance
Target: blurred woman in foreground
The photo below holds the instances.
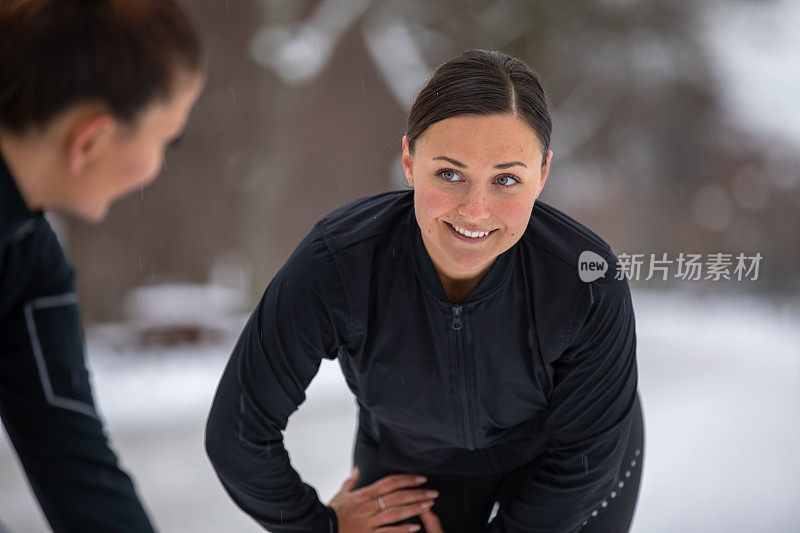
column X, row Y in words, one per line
column 91, row 94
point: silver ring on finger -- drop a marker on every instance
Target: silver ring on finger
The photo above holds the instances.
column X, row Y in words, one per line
column 382, row 503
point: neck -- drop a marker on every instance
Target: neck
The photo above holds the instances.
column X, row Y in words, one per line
column 457, row 291
column 457, row 285
column 30, row 163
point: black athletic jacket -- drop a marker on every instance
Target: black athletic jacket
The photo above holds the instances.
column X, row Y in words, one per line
column 46, row 400
column 533, row 363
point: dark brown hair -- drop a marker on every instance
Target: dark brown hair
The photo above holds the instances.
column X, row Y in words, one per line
column 482, row 82
column 123, row 54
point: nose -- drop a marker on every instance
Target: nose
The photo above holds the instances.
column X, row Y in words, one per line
column 475, row 205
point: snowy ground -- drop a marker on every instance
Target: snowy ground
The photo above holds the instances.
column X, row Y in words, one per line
column 719, row 381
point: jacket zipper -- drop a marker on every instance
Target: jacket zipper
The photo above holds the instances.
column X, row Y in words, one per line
column 462, row 376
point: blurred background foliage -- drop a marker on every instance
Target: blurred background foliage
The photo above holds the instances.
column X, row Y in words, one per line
column 306, row 103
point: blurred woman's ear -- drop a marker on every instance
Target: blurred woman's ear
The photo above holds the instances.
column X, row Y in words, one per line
column 86, row 138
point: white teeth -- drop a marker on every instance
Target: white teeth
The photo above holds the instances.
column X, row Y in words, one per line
column 473, row 234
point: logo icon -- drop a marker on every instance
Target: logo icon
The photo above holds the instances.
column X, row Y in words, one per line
column 591, row 266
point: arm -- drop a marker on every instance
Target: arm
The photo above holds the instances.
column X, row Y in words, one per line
column 298, row 321
column 46, row 398
column 591, row 412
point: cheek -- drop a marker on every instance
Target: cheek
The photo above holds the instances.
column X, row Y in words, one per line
column 432, row 203
column 516, row 214
column 137, row 167
column 154, row 168
column 429, row 205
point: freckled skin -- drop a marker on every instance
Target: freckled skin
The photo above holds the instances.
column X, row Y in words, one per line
column 476, row 197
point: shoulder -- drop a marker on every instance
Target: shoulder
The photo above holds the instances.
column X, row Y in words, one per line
column 575, row 266
column 32, row 263
column 366, row 219
column 570, row 247
column 34, row 242
column 562, row 238
column 361, row 221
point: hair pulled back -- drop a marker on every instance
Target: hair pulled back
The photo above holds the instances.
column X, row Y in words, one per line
column 482, row 82
column 123, row 54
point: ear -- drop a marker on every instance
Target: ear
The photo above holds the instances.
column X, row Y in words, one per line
column 407, row 162
column 545, row 172
column 87, row 139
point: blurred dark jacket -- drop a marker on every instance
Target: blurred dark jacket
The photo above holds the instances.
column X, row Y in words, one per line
column 45, row 395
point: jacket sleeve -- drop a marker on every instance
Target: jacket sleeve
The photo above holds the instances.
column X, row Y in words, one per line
column 46, row 398
column 590, row 417
column 300, row 319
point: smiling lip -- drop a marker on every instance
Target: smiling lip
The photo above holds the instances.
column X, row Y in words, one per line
column 464, row 238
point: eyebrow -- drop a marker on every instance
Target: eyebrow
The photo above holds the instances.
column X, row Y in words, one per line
column 459, row 164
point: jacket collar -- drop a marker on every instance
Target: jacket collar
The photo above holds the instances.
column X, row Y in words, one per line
column 12, row 207
column 492, row 281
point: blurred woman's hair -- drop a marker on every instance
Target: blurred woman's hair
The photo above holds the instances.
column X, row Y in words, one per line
column 482, row 82
column 123, row 54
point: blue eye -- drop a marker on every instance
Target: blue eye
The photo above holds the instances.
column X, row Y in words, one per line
column 448, row 175
column 507, row 177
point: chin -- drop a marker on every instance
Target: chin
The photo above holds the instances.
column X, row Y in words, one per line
column 93, row 214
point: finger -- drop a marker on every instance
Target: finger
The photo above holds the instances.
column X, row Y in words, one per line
column 398, row 529
column 431, row 522
column 395, row 514
column 406, row 496
column 392, row 483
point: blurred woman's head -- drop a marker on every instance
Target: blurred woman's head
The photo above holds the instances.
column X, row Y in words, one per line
column 99, row 88
column 477, row 153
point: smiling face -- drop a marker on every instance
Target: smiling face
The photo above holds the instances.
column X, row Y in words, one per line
column 479, row 175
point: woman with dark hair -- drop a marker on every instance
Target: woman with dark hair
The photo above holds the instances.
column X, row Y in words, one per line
column 497, row 390
column 91, row 94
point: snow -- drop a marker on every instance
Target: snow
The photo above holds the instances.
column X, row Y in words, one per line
column 181, row 302
column 720, row 387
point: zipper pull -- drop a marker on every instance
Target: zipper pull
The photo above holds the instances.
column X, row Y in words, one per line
column 457, row 317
